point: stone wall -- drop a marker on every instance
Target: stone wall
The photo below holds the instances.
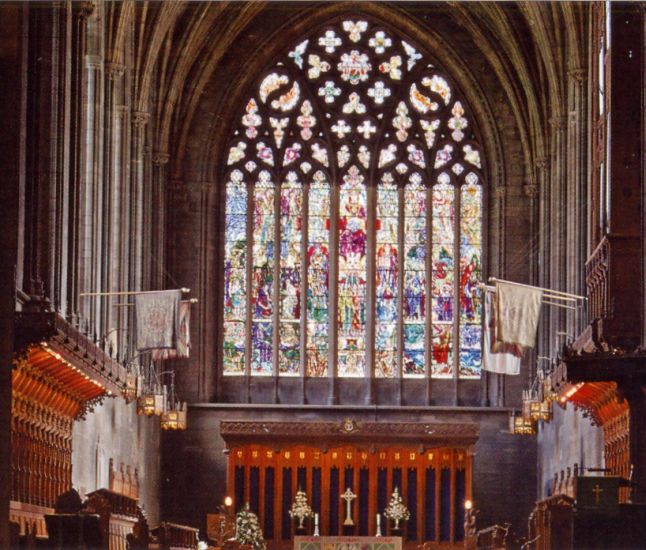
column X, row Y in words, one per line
column 114, row 431
column 567, row 440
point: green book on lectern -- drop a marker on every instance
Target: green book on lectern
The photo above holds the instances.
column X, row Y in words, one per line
column 597, row 494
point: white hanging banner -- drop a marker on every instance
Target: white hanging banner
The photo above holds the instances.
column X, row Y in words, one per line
column 503, row 362
column 517, row 311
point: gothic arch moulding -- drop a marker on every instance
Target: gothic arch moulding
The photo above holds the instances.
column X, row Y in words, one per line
column 353, row 206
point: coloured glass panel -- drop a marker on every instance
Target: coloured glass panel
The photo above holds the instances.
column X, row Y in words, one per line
column 470, row 276
column 262, row 276
column 291, row 210
column 386, row 281
column 235, row 275
column 414, row 277
column 352, row 275
column 318, row 273
column 442, row 286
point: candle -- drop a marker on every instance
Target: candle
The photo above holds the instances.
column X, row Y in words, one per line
column 378, row 520
column 316, row 525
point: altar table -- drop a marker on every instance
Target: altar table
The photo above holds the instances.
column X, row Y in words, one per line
column 347, row 543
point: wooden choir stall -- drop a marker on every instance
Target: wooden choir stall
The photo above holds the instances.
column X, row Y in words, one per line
column 58, row 375
column 591, row 516
column 429, row 464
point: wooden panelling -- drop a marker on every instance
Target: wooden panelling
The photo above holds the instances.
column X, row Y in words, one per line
column 48, row 394
column 401, row 464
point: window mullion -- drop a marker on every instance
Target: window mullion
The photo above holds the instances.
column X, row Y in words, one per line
column 456, row 280
column 333, row 279
column 305, row 205
column 428, row 310
column 369, row 330
column 276, row 290
column 249, row 265
column 401, row 266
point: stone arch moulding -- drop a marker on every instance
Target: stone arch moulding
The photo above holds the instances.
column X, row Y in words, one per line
column 272, row 82
column 212, row 157
column 434, row 46
column 431, row 43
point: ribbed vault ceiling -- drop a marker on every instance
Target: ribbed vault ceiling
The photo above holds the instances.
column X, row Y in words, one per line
column 194, row 60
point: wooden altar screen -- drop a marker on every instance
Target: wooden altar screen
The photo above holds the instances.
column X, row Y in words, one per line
column 429, row 463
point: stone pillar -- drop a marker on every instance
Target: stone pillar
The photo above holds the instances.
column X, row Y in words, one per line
column 530, row 192
column 13, row 29
column 108, row 254
column 576, row 195
column 193, row 221
column 206, row 314
column 120, row 238
column 140, row 122
column 158, row 205
column 543, row 247
column 60, row 221
column 91, row 197
column 135, row 215
column 557, row 227
column 81, row 11
column 496, row 382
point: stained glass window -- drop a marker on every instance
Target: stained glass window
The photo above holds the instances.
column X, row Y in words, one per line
column 443, row 276
column 386, row 277
column 353, row 215
column 470, row 275
column 414, row 276
column 291, row 204
column 235, row 275
column 318, row 272
column 262, row 276
column 353, row 247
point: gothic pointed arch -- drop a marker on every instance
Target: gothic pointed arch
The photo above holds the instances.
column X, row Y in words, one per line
column 353, row 215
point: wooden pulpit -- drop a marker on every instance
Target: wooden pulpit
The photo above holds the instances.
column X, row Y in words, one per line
column 594, row 519
column 597, row 494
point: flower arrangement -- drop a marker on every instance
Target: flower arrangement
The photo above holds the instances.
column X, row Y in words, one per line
column 396, row 510
column 248, row 529
column 300, row 508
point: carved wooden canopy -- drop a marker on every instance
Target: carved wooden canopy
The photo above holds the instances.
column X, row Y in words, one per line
column 369, row 434
column 62, row 351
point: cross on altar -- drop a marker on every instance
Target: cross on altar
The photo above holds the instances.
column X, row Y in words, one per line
column 597, row 492
column 348, row 496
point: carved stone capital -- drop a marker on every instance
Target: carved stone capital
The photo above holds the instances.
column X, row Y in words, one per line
column 85, row 9
column 578, row 74
column 140, row 119
column 542, row 162
column 93, row 61
column 558, row 122
column 160, row 157
column 114, row 70
column 499, row 191
column 530, row 190
column 122, row 111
